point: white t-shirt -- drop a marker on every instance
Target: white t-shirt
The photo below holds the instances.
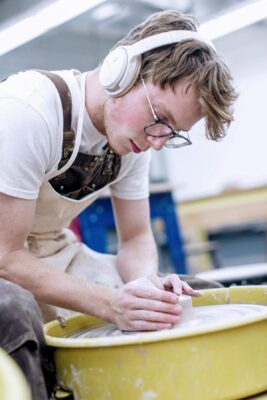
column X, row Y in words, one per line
column 31, row 138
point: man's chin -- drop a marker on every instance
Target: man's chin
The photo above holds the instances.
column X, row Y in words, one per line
column 120, row 150
column 123, row 152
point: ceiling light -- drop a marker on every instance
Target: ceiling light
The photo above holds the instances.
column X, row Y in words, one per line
column 237, row 19
column 105, row 11
column 181, row 5
column 43, row 20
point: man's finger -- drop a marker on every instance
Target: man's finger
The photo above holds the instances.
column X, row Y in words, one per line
column 174, row 283
column 177, row 285
column 147, row 326
column 153, row 316
column 154, row 293
column 190, row 291
column 156, row 305
column 155, row 279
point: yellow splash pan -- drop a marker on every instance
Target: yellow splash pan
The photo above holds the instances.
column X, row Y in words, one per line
column 226, row 362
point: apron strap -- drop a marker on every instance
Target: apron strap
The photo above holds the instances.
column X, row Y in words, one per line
column 65, row 98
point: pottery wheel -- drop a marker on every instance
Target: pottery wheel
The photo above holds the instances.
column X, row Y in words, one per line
column 192, row 318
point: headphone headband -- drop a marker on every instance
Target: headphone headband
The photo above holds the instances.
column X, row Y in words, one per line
column 165, row 38
column 121, row 67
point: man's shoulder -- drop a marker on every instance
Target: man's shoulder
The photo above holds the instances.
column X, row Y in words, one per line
column 24, row 83
column 21, row 84
column 34, row 89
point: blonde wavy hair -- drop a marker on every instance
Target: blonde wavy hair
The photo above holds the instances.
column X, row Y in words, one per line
column 192, row 60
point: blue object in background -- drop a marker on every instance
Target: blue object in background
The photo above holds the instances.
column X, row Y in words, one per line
column 97, row 219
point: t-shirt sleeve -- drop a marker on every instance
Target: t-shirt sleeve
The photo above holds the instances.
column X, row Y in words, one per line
column 134, row 181
column 25, row 149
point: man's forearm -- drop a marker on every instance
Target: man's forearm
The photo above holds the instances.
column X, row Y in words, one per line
column 54, row 287
column 137, row 258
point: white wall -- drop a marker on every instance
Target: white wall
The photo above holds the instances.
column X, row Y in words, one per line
column 207, row 168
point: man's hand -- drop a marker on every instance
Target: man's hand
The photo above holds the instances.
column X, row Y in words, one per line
column 174, row 284
column 148, row 304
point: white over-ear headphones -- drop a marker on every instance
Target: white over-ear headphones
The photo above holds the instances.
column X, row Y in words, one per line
column 121, row 67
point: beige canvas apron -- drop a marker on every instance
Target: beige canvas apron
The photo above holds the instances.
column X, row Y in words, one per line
column 53, row 243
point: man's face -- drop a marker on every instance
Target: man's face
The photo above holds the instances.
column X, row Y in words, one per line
column 125, row 117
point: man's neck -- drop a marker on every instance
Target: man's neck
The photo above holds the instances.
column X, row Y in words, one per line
column 95, row 97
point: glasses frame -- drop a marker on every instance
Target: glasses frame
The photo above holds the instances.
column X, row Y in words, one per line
column 157, row 120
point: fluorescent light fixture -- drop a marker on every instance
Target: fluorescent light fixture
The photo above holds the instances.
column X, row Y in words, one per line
column 105, row 11
column 181, row 5
column 237, row 19
column 61, row 11
column 47, row 18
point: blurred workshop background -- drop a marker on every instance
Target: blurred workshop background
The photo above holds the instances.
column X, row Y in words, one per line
column 208, row 201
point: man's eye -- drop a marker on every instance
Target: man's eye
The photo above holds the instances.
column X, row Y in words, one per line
column 163, row 118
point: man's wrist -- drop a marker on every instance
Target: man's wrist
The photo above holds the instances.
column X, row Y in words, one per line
column 104, row 310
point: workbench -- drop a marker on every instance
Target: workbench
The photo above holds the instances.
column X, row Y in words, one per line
column 97, row 219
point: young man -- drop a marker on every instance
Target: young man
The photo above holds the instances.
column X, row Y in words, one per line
column 143, row 96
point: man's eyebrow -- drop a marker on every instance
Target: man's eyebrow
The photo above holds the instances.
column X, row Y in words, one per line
column 170, row 117
column 166, row 112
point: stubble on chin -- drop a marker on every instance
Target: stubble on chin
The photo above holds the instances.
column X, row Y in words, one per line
column 111, row 128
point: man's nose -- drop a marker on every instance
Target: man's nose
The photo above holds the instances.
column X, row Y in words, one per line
column 156, row 142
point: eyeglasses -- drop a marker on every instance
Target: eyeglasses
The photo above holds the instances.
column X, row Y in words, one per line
column 160, row 128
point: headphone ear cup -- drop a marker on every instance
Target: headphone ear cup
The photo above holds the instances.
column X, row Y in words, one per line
column 130, row 76
column 119, row 71
column 113, row 69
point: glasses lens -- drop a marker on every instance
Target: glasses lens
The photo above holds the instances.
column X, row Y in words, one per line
column 158, row 130
column 177, row 142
